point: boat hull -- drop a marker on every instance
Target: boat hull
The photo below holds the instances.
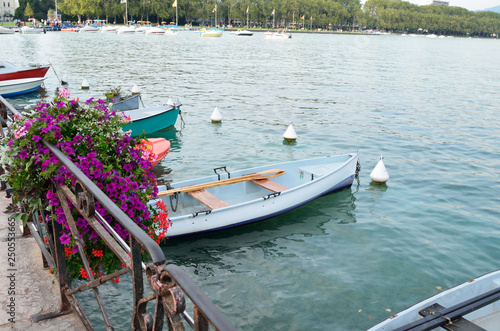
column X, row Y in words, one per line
column 248, row 202
column 25, row 73
column 11, row 88
column 128, row 103
column 152, row 119
column 487, row 317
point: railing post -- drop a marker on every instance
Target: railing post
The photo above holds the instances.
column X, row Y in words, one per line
column 62, row 271
column 137, row 283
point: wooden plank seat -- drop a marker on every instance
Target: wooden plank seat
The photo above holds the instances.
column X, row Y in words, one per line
column 270, row 185
column 208, row 199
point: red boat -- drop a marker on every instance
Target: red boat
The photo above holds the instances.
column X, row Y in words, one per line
column 154, row 149
column 9, row 71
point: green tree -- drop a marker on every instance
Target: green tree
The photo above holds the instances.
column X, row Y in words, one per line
column 28, row 12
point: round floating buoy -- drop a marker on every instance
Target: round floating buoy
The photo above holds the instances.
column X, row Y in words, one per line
column 216, row 116
column 135, row 89
column 64, row 79
column 379, row 174
column 290, row 134
column 85, row 85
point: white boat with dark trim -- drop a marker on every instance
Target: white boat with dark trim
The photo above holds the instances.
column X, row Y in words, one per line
column 154, row 31
column 473, row 305
column 13, row 87
column 243, row 33
column 278, row 34
column 228, row 199
column 88, row 28
column 125, row 30
column 109, row 29
column 4, row 30
column 211, row 33
column 31, row 30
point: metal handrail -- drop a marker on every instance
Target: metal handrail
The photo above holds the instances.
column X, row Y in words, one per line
column 168, row 282
column 142, row 237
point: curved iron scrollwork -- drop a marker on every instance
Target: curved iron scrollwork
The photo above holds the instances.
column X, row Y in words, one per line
column 84, row 199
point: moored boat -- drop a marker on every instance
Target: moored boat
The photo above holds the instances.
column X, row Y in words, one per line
column 154, row 31
column 13, row 87
column 278, row 34
column 233, row 198
column 154, row 149
column 109, row 29
column 150, row 119
column 4, row 30
column 125, row 30
column 9, row 71
column 31, row 30
column 473, row 305
column 88, row 29
column 243, row 33
column 211, row 33
column 125, row 103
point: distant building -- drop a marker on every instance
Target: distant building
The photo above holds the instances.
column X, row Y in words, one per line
column 435, row 2
column 7, row 9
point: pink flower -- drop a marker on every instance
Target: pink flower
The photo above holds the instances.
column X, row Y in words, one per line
column 64, row 93
column 65, row 239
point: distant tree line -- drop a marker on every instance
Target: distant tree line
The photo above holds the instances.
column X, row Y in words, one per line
column 388, row 15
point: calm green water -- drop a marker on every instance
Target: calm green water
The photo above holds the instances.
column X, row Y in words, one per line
column 347, row 260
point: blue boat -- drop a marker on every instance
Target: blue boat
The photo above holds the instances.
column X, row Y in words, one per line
column 151, row 119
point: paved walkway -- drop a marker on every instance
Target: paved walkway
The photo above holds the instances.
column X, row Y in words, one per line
column 26, row 288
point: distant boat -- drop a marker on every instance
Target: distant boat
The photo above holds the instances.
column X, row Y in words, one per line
column 211, row 33
column 31, row 30
column 154, row 31
column 157, row 149
column 171, row 32
column 278, row 34
column 125, row 30
column 88, row 28
column 109, row 29
column 4, row 30
column 150, row 119
column 9, row 71
column 473, row 305
column 243, row 33
column 249, row 195
column 13, row 87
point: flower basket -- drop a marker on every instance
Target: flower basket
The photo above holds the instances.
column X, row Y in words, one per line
column 109, row 95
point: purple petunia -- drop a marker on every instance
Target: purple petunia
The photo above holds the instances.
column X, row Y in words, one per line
column 65, row 239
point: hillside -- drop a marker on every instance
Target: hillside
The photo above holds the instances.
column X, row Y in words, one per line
column 495, row 9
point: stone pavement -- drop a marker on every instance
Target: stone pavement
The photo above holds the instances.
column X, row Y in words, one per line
column 26, row 288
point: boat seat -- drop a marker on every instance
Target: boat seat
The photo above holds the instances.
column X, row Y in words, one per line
column 270, row 185
column 208, row 199
column 459, row 324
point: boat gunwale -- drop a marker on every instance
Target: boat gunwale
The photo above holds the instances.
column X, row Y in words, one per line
column 352, row 157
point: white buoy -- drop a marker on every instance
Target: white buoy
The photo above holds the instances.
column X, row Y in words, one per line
column 64, row 79
column 85, row 84
column 216, row 116
column 170, row 102
column 135, row 89
column 290, row 134
column 379, row 174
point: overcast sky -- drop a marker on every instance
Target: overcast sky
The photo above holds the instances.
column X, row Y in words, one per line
column 468, row 4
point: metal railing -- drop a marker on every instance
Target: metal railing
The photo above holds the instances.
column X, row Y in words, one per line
column 168, row 283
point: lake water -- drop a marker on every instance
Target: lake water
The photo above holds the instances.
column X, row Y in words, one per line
column 346, row 260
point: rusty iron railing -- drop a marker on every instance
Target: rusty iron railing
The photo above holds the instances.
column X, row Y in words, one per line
column 168, row 283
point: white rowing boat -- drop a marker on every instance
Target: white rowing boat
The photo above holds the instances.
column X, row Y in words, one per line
column 230, row 199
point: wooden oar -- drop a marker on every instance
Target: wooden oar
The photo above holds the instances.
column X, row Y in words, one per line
column 258, row 175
